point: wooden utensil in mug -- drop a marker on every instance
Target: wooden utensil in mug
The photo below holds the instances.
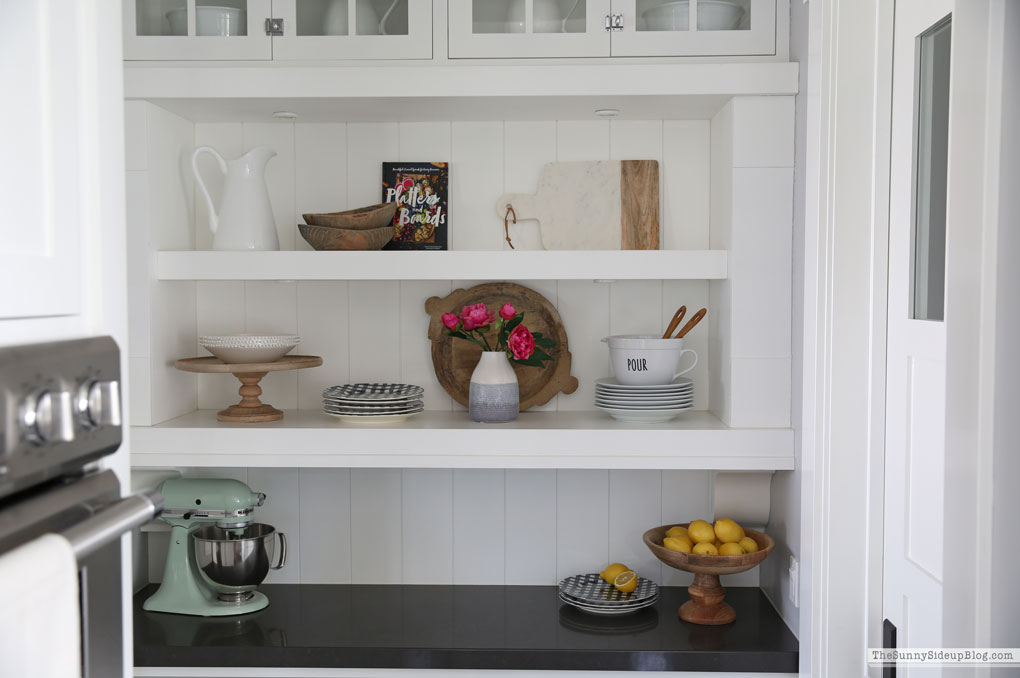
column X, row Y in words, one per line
column 695, row 319
column 677, row 317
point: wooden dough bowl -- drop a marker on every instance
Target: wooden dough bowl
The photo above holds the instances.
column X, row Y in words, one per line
column 707, row 605
column 455, row 359
column 361, row 219
column 326, row 238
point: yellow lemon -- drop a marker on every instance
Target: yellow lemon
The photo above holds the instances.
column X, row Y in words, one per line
column 728, row 531
column 677, row 531
column 611, row 572
column 678, row 544
column 718, row 542
column 749, row 545
column 701, row 531
column 706, row 548
column 731, row 549
column 626, row 581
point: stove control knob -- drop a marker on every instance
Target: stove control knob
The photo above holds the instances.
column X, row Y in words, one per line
column 48, row 417
column 99, row 404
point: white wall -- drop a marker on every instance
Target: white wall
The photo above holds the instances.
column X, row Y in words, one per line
column 785, row 511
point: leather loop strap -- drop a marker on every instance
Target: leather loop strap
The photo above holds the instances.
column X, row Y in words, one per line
column 506, row 224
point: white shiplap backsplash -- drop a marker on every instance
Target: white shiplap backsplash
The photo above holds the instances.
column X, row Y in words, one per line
column 414, row 525
column 466, row 526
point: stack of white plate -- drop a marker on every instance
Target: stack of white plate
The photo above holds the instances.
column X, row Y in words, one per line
column 372, row 403
column 591, row 594
column 647, row 403
column 249, row 348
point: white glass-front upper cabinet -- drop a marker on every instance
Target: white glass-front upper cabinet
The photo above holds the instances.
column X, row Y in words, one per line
column 277, row 29
column 510, row 29
column 597, row 28
column 196, row 29
column 354, row 29
column 694, row 28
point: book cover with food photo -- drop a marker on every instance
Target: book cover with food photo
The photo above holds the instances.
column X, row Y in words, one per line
column 422, row 191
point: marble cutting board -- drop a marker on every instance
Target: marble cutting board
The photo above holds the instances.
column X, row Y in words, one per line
column 600, row 205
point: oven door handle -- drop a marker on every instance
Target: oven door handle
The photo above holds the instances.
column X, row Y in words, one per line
column 111, row 521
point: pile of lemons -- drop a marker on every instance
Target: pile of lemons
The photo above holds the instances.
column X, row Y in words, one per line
column 727, row 538
column 620, row 576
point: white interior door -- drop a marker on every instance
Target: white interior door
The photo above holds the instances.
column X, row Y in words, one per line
column 916, row 363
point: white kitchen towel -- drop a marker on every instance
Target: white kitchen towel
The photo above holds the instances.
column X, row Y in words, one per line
column 40, row 617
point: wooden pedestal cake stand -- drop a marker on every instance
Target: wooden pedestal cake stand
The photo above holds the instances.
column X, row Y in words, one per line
column 250, row 410
column 707, row 605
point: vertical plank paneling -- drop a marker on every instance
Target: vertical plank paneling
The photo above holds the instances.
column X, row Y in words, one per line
column 584, row 305
column 548, row 289
column 228, row 140
column 686, row 184
column 531, row 526
column 635, row 505
column 527, row 147
column 635, row 307
column 280, row 173
column 635, row 140
column 374, row 329
column 686, row 496
column 220, row 311
column 369, row 144
column 271, row 308
column 282, row 511
column 376, row 530
column 415, row 347
column 324, row 496
column 424, row 142
column 322, row 317
column 694, row 295
column 320, row 157
column 479, row 509
column 582, row 140
column 582, row 521
column 428, row 526
column 476, row 169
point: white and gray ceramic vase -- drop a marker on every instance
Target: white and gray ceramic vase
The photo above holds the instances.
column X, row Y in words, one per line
column 494, row 396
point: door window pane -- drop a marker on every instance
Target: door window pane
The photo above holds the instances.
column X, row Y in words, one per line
column 931, row 155
column 321, row 17
column 161, row 17
column 221, row 18
column 712, row 15
column 508, row 16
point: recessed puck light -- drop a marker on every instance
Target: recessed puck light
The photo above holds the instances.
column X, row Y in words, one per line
column 285, row 115
column 607, row 112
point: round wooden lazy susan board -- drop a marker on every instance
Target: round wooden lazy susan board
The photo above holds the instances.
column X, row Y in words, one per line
column 250, row 410
column 454, row 359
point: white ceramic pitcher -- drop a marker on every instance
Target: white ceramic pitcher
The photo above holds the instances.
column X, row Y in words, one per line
column 244, row 220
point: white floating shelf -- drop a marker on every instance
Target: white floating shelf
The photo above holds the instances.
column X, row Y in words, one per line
column 452, row 91
column 393, row 265
column 436, row 439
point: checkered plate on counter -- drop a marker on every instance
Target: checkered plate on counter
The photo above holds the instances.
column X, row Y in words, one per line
column 362, row 392
column 590, row 593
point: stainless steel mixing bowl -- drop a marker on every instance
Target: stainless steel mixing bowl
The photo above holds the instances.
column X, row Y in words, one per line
column 234, row 561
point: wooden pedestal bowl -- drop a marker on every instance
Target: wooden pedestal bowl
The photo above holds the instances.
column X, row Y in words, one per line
column 707, row 605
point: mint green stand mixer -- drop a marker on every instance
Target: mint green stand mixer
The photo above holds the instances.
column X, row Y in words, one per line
column 218, row 555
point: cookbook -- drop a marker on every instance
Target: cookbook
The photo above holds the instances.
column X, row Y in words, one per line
column 421, row 189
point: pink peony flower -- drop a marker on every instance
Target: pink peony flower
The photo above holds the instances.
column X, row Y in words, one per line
column 521, row 343
column 475, row 316
column 507, row 311
column 450, row 320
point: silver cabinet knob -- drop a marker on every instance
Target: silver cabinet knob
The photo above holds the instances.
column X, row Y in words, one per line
column 99, row 404
column 48, row 417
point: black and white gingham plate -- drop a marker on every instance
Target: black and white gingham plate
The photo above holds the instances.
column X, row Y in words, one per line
column 602, row 610
column 369, row 404
column 373, row 391
column 592, row 589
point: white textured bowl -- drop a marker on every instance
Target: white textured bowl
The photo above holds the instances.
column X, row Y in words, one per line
column 249, row 348
column 713, row 15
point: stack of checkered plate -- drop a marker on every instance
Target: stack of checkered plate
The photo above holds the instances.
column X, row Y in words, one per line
column 591, row 594
column 372, row 403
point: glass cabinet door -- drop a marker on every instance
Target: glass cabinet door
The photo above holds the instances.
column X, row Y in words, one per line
column 173, row 30
column 354, row 29
column 528, row 28
column 695, row 28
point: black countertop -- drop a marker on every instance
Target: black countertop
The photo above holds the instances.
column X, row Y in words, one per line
column 464, row 627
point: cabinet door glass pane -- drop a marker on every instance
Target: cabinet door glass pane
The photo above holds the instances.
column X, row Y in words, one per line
column 509, row 16
column 161, row 17
column 931, row 165
column 321, row 17
column 381, row 17
column 675, row 15
column 221, row 18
